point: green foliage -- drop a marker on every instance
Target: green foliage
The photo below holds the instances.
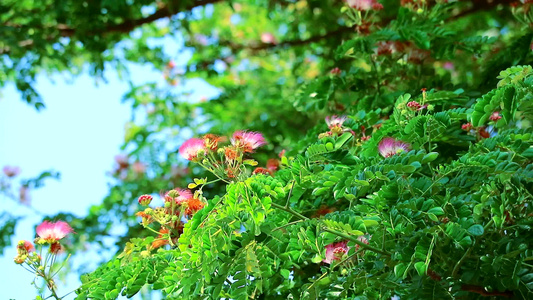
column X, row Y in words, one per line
column 448, row 218
column 7, row 228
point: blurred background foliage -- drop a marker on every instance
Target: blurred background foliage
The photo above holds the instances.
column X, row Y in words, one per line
column 274, row 66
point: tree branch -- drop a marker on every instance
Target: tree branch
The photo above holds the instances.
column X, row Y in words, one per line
column 124, row 27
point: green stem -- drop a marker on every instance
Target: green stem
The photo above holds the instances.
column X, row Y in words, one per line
column 335, row 232
column 292, row 212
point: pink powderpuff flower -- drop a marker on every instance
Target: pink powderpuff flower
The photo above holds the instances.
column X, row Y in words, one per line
column 495, row 116
column 138, row 167
column 335, row 121
column 335, row 251
column 364, row 5
column 122, row 161
column 11, row 171
column 247, row 141
column 448, row 66
column 191, row 148
column 53, row 232
column 268, row 38
column 389, row 147
column 179, row 196
column 335, row 71
column 467, row 127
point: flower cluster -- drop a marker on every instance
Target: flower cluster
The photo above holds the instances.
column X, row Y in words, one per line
column 49, row 233
column 227, row 162
column 483, row 132
column 179, row 206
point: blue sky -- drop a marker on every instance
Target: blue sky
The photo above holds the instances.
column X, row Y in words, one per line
column 78, row 134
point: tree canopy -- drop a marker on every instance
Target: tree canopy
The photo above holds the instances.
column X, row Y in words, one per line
column 417, row 185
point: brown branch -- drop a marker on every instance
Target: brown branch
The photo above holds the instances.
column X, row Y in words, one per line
column 482, row 5
column 124, row 27
column 161, row 13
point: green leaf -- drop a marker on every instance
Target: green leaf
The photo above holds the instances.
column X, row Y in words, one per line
column 421, row 268
column 476, row 230
column 438, row 211
column 342, row 140
column 399, row 270
column 433, row 217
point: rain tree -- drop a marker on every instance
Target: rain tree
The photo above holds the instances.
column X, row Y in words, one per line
column 347, row 149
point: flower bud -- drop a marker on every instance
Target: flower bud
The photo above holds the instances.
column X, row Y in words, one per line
column 19, row 259
column 145, row 200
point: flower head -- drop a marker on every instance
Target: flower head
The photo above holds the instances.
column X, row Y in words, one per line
column 389, row 147
column 194, row 205
column 335, row 251
column 53, row 232
column 25, row 247
column 11, row 171
column 261, row 170
column 122, row 161
column 495, row 116
column 364, row 5
column 268, row 38
column 179, row 196
column 138, row 167
column 335, row 121
column 247, row 141
column 335, row 71
column 467, row 126
column 191, row 148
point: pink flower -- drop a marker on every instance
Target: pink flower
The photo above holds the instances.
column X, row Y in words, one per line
column 25, row 247
column 389, row 147
column 335, row 71
column 248, row 141
column 335, row 121
column 11, row 171
column 268, row 38
column 138, row 167
column 413, row 105
column 53, row 232
column 24, row 195
column 191, row 148
column 145, row 200
column 448, row 66
column 335, row 251
column 178, row 196
column 467, row 126
column 364, row 5
column 122, row 161
column 495, row 116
